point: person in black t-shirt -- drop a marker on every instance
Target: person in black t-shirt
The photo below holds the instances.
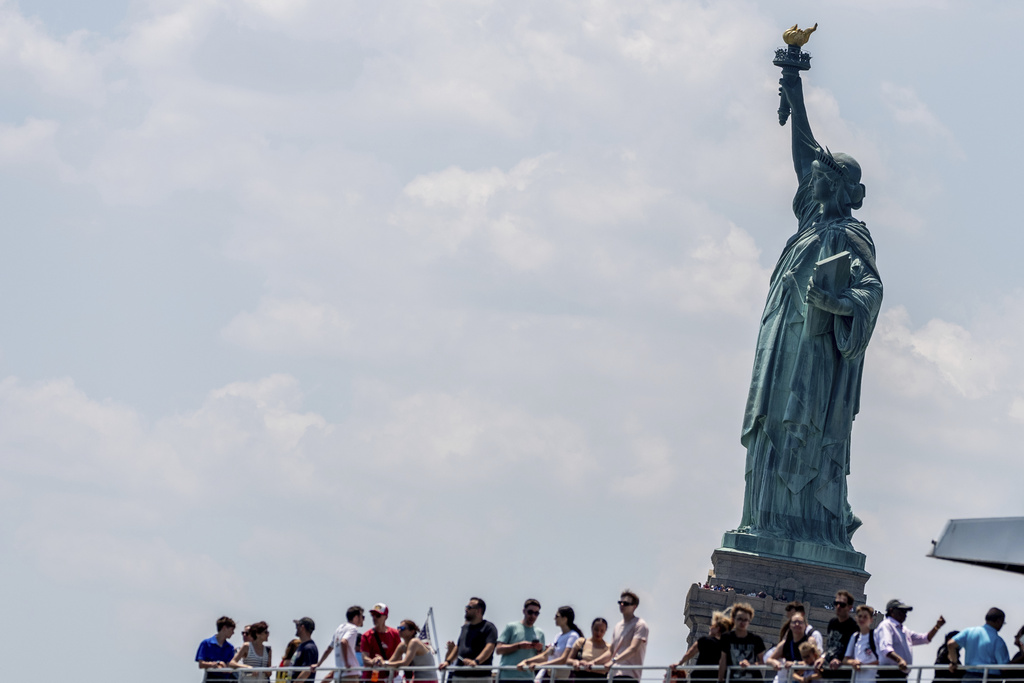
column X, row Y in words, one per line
column 840, row 629
column 476, row 644
column 740, row 648
column 707, row 648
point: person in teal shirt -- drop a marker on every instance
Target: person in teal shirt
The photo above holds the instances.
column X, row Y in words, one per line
column 519, row 641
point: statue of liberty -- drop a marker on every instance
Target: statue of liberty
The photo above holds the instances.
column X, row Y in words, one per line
column 805, row 388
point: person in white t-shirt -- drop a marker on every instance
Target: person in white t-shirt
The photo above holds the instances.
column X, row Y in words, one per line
column 861, row 648
column 344, row 644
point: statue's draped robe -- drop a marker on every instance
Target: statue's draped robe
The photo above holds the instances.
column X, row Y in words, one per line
column 805, row 390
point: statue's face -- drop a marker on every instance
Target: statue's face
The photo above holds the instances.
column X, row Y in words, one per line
column 822, row 188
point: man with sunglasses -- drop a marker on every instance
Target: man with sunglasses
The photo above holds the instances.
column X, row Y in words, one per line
column 475, row 648
column 519, row 641
column 629, row 641
column 837, row 637
column 379, row 642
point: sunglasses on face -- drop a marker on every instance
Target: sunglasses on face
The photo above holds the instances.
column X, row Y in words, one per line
column 402, row 628
column 472, row 607
column 625, row 603
column 533, row 612
column 841, row 603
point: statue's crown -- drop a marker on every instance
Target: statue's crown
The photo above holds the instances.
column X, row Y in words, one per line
column 825, row 158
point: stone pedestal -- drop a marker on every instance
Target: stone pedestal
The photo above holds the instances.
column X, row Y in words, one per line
column 778, row 579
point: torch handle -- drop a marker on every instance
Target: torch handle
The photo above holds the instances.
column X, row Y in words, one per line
column 784, row 109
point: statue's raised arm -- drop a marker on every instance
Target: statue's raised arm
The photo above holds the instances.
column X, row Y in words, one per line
column 804, row 145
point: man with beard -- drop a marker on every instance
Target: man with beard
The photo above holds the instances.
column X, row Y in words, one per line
column 475, row 647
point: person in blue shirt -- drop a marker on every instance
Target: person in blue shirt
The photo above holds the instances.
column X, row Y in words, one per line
column 216, row 652
column 982, row 644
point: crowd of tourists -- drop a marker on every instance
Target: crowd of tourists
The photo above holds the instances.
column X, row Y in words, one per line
column 851, row 648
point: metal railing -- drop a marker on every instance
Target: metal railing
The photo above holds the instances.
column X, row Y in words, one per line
column 992, row 673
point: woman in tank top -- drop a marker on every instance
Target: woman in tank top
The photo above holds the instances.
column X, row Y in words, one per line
column 254, row 654
column 585, row 650
column 413, row 652
column 557, row 654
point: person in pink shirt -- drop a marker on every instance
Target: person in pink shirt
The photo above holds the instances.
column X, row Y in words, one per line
column 629, row 641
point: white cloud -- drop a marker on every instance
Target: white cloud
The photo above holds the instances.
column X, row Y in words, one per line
column 908, row 109
column 64, row 68
column 289, row 326
column 971, row 367
column 721, row 276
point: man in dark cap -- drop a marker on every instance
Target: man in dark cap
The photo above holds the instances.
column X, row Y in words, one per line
column 894, row 640
column 307, row 654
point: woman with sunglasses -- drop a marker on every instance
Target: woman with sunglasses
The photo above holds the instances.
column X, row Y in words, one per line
column 585, row 650
column 557, row 654
column 413, row 652
column 255, row 653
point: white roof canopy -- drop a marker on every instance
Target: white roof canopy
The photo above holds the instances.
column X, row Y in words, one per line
column 995, row 542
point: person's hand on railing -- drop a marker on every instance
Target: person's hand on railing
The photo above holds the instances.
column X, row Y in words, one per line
column 443, row 664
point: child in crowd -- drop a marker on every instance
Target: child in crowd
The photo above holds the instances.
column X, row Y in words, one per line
column 809, row 652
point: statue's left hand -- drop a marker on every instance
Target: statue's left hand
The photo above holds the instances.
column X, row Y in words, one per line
column 819, row 298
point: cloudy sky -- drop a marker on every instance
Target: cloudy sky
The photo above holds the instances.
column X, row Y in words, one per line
column 313, row 303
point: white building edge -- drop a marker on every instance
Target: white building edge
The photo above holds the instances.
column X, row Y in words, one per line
column 996, row 542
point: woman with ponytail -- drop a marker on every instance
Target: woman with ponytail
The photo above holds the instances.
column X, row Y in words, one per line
column 557, row 654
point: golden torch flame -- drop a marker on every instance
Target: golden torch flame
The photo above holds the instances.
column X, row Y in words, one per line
column 798, row 36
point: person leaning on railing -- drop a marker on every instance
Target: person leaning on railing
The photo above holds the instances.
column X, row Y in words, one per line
column 476, row 644
column 787, row 652
column 344, row 645
column 413, row 652
column 740, row 648
column 708, row 649
column 216, row 652
column 982, row 644
column 862, row 649
column 585, row 650
column 895, row 641
column 254, row 654
column 557, row 654
column 809, row 655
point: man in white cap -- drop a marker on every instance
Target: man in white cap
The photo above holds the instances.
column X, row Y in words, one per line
column 381, row 641
column 895, row 641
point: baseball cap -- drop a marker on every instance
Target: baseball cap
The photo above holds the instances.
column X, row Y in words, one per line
column 379, row 608
column 305, row 621
column 896, row 604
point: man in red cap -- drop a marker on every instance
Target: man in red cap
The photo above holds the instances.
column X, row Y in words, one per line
column 381, row 641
